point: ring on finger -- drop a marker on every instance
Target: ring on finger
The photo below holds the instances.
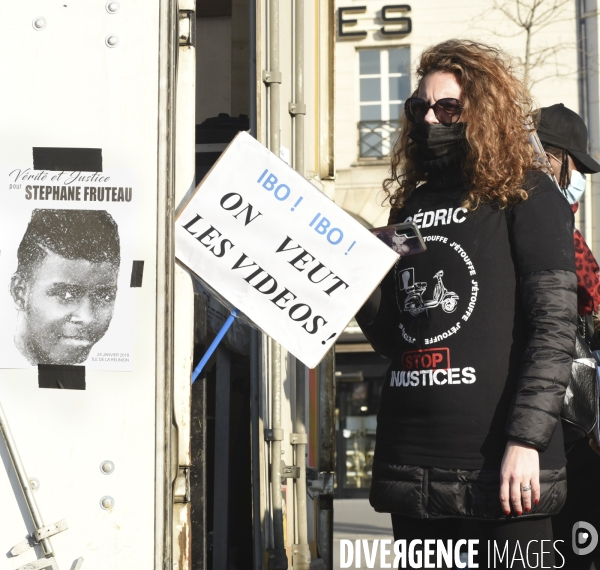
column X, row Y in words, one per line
column 525, row 488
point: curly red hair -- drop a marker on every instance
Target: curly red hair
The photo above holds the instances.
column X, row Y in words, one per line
column 497, row 108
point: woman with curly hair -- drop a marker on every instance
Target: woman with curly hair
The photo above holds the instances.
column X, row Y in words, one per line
column 480, row 329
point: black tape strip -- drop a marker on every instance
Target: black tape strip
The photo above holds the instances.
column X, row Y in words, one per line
column 62, row 377
column 137, row 273
column 68, row 159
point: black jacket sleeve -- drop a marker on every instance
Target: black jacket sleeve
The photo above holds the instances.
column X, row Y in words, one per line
column 549, row 300
column 378, row 317
column 541, row 235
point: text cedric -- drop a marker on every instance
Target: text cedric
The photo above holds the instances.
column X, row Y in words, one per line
column 64, row 189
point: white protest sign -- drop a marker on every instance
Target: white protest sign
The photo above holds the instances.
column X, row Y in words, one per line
column 279, row 250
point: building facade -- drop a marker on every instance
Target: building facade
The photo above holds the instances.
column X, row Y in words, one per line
column 377, row 48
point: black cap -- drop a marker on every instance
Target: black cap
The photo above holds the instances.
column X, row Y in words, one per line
column 565, row 129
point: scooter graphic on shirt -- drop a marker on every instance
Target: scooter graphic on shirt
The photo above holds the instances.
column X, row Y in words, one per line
column 414, row 303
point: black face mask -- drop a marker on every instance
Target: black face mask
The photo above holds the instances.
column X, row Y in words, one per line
column 437, row 141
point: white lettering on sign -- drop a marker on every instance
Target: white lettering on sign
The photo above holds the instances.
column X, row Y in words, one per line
column 275, row 247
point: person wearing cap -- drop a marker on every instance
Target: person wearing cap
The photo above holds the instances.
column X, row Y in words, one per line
column 563, row 135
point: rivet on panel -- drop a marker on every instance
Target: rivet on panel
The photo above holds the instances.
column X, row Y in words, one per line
column 107, row 503
column 107, row 467
column 39, row 23
column 112, row 41
column 34, row 484
column 112, row 7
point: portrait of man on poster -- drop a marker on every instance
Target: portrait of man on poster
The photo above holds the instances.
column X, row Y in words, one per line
column 65, row 284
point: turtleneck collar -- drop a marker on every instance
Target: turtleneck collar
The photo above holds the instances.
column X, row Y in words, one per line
column 446, row 171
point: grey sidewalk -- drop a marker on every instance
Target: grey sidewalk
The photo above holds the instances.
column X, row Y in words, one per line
column 355, row 519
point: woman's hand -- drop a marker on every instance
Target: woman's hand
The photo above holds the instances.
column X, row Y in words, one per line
column 520, row 469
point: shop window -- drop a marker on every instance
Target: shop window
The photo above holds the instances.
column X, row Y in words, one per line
column 384, row 77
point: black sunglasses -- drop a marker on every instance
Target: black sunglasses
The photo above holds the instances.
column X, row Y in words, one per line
column 447, row 111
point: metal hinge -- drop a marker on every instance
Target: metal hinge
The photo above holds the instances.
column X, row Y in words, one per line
column 49, row 564
column 297, row 108
column 273, row 435
column 289, row 471
column 39, row 535
column 298, row 438
column 187, row 28
column 42, row 564
column 182, row 488
column 271, row 76
column 319, row 484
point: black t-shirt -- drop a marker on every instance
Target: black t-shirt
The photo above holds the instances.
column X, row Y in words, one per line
column 452, row 322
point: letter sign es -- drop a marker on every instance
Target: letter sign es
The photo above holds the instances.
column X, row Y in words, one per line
column 391, row 22
column 344, row 22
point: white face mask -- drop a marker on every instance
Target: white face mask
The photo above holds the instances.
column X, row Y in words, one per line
column 574, row 191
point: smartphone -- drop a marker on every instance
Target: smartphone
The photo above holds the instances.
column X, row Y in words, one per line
column 405, row 238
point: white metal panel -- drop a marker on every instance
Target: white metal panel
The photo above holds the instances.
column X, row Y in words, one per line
column 68, row 89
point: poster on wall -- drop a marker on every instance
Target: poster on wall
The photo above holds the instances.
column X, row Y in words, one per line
column 67, row 245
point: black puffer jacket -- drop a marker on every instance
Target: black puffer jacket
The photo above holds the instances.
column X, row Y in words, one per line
column 432, row 492
column 549, row 299
column 439, row 447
